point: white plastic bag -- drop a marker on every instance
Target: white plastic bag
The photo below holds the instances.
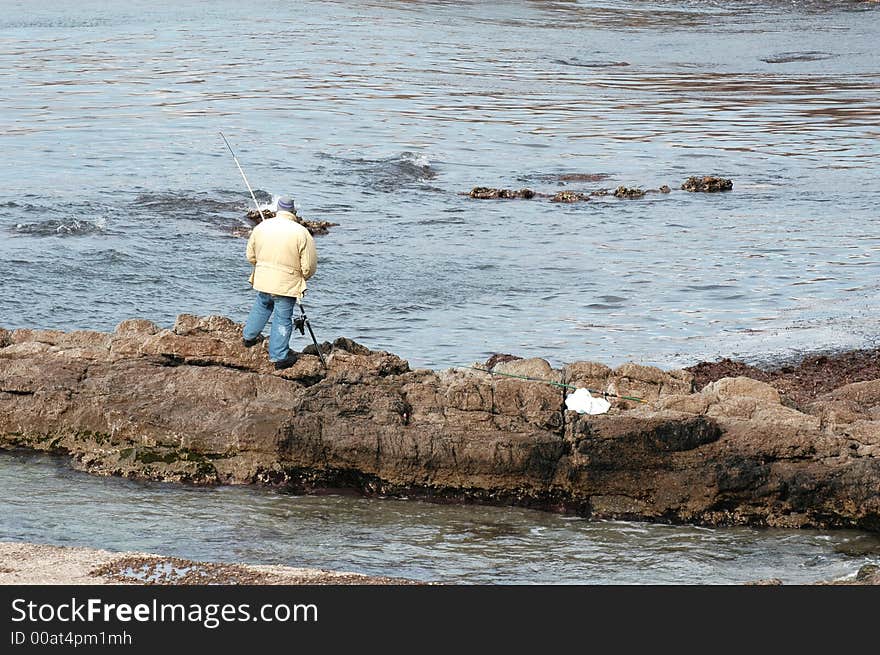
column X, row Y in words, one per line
column 582, row 402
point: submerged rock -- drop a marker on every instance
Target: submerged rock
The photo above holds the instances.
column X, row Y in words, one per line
column 707, row 183
column 192, row 404
column 583, row 177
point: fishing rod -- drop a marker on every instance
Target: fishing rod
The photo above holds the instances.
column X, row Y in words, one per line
column 558, row 384
column 243, row 176
column 300, row 322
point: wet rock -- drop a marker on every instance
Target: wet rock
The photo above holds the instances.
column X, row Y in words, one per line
column 192, row 404
column 628, row 192
column 569, row 196
column 325, row 347
column 869, row 572
column 349, row 346
column 316, row 228
column 707, row 183
column 664, row 189
column 498, row 358
column 489, row 193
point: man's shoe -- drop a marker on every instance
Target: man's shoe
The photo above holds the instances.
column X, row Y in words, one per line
column 287, row 362
column 248, row 343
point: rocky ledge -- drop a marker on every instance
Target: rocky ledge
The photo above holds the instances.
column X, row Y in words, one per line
column 192, row 404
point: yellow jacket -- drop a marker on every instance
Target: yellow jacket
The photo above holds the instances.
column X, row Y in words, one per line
column 283, row 254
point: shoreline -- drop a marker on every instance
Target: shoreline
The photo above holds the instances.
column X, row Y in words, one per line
column 24, row 563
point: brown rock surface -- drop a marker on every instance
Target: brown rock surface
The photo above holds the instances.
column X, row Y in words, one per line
column 192, row 404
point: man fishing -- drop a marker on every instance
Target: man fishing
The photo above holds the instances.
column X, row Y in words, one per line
column 284, row 257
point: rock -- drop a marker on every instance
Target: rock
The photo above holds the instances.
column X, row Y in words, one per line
column 707, row 183
column 256, row 216
column 688, row 404
column 189, row 325
column 325, row 347
column 534, row 367
column 869, row 573
column 706, row 372
column 497, row 358
column 836, row 412
column 489, row 193
column 804, row 381
column 135, row 327
column 192, row 404
column 349, row 346
column 316, row 228
column 646, row 382
column 569, row 196
column 628, row 192
column 727, row 388
column 590, row 375
column 864, row 395
column 50, row 337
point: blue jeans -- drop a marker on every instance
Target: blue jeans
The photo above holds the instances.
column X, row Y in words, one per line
column 282, row 324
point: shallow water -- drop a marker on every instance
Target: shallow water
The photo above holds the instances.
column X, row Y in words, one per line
column 46, row 502
column 119, row 199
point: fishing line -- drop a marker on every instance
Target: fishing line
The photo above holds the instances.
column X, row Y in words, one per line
column 243, row 176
